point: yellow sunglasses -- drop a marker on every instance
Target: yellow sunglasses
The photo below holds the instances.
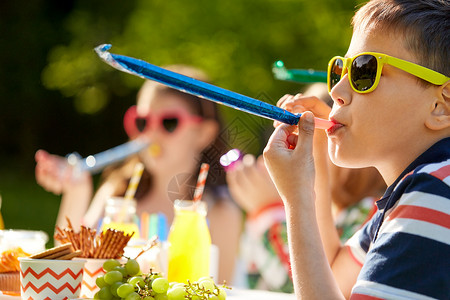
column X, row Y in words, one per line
column 364, row 71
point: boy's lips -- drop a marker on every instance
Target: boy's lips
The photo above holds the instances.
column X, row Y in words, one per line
column 336, row 126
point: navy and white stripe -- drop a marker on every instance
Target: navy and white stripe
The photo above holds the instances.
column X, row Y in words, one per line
column 405, row 247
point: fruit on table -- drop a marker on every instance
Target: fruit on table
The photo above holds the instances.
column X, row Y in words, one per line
column 125, row 281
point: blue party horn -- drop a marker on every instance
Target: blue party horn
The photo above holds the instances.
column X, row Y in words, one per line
column 97, row 162
column 201, row 89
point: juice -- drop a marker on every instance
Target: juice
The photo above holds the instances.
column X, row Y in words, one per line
column 120, row 214
column 128, row 228
column 189, row 243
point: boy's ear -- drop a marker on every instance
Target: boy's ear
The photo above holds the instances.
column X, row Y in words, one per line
column 440, row 115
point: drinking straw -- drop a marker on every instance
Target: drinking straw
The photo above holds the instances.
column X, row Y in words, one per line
column 162, row 227
column 145, row 216
column 201, row 89
column 204, row 168
column 134, row 181
column 131, row 189
column 153, row 225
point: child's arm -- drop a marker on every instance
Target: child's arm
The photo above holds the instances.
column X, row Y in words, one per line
column 343, row 266
column 292, row 171
column 55, row 175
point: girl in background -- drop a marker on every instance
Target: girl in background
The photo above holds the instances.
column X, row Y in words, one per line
column 185, row 131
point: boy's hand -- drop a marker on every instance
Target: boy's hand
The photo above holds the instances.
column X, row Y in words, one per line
column 250, row 184
column 289, row 158
column 300, row 104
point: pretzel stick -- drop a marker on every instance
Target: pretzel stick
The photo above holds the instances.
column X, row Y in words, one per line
column 84, row 240
column 69, row 224
column 107, row 243
column 125, row 243
column 118, row 250
column 102, row 237
column 93, row 243
column 97, row 249
column 112, row 245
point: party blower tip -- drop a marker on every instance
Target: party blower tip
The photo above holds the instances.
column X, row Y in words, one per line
column 201, row 89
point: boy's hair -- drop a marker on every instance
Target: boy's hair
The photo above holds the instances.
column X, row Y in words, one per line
column 425, row 25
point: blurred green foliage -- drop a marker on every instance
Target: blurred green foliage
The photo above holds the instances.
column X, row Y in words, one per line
column 234, row 41
column 56, row 94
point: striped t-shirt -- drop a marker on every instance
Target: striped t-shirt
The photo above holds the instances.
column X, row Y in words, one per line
column 405, row 248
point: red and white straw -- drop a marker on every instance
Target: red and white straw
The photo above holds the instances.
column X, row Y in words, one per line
column 204, row 168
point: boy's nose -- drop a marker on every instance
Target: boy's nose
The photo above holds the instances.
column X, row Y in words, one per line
column 341, row 92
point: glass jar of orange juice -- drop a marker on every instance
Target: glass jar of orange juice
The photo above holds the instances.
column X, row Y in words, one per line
column 120, row 214
column 189, row 242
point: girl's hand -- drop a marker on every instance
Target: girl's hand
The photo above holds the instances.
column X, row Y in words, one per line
column 55, row 175
column 289, row 159
column 250, row 184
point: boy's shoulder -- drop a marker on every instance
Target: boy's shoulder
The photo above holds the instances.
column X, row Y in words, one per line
column 438, row 170
column 431, row 169
column 423, row 193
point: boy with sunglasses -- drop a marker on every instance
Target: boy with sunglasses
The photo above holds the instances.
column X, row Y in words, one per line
column 392, row 111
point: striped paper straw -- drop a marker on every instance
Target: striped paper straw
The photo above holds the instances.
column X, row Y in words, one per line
column 131, row 189
column 204, row 168
column 134, row 181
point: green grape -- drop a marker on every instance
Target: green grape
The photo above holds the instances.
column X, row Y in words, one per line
column 124, row 289
column 161, row 297
column 160, row 285
column 222, row 294
column 176, row 293
column 172, row 283
column 113, row 276
column 100, row 281
column 148, row 298
column 178, row 284
column 207, row 285
column 155, row 275
column 137, row 281
column 96, row 296
column 113, row 288
column 132, row 267
column 133, row 296
column 104, row 293
column 206, row 278
column 121, row 270
column 213, row 297
column 152, row 277
column 110, row 264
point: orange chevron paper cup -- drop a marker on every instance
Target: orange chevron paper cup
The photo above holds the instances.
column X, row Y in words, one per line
column 50, row 279
column 92, row 269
